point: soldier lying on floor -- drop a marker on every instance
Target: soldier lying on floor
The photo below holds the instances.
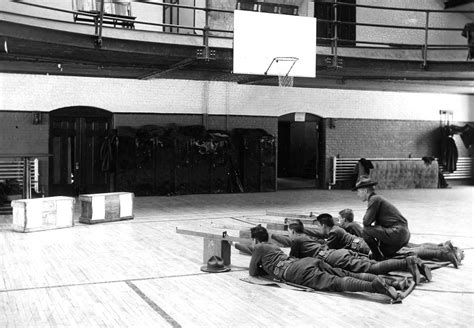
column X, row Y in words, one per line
column 346, row 221
column 338, row 238
column 269, row 259
column 303, row 246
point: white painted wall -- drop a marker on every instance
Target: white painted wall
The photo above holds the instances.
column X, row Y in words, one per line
column 21, row 92
column 9, row 6
column 148, row 13
column 413, row 19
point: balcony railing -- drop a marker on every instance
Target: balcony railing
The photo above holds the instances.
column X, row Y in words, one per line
column 212, row 22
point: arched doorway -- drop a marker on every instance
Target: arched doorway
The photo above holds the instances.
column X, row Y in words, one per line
column 299, row 151
column 75, row 140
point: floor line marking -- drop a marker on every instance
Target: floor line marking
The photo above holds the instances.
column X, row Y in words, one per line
column 153, row 305
column 234, row 269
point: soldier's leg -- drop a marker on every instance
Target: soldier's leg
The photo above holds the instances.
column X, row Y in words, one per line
column 316, row 274
column 371, row 236
column 386, row 266
column 349, row 260
column 390, row 240
column 378, row 285
column 436, row 254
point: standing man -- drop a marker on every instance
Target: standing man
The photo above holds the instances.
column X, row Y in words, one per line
column 385, row 229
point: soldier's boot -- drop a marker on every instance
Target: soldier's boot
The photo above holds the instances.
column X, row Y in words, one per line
column 412, row 267
column 378, row 285
column 376, row 253
column 443, row 253
column 381, row 287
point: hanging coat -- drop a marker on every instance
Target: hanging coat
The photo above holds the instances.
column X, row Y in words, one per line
column 451, row 155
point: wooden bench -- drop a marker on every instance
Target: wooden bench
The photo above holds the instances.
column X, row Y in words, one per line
column 107, row 19
column 414, row 171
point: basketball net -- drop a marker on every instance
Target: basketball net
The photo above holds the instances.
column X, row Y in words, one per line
column 282, row 67
column 285, row 81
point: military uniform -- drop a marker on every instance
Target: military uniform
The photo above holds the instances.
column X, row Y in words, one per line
column 339, row 238
column 384, row 223
column 302, row 246
column 353, row 228
column 269, row 259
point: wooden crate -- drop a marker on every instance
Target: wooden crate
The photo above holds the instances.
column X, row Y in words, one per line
column 106, row 207
column 42, row 213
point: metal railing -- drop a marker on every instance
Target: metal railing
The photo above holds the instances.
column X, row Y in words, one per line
column 335, row 42
column 425, row 46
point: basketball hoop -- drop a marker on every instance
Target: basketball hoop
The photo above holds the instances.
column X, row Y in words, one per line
column 283, row 65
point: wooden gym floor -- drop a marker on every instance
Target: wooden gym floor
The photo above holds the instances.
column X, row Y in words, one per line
column 141, row 273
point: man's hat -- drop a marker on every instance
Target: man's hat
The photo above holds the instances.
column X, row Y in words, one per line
column 364, row 182
column 215, row 265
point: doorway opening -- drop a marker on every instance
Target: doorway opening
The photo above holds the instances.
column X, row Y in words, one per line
column 76, row 142
column 298, row 151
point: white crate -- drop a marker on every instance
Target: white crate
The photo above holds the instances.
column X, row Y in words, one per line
column 106, row 207
column 42, row 213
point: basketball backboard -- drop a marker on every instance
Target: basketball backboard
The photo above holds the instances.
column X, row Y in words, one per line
column 274, row 44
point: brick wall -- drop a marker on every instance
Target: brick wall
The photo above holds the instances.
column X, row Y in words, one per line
column 385, row 139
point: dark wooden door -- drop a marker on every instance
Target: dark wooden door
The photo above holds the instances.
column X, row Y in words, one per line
column 76, row 138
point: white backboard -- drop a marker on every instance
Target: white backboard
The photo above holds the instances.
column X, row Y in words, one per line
column 260, row 37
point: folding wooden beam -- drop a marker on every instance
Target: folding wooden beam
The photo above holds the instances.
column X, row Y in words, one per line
column 224, row 236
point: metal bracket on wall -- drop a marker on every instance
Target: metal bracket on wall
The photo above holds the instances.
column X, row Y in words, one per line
column 206, row 54
column 334, row 62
